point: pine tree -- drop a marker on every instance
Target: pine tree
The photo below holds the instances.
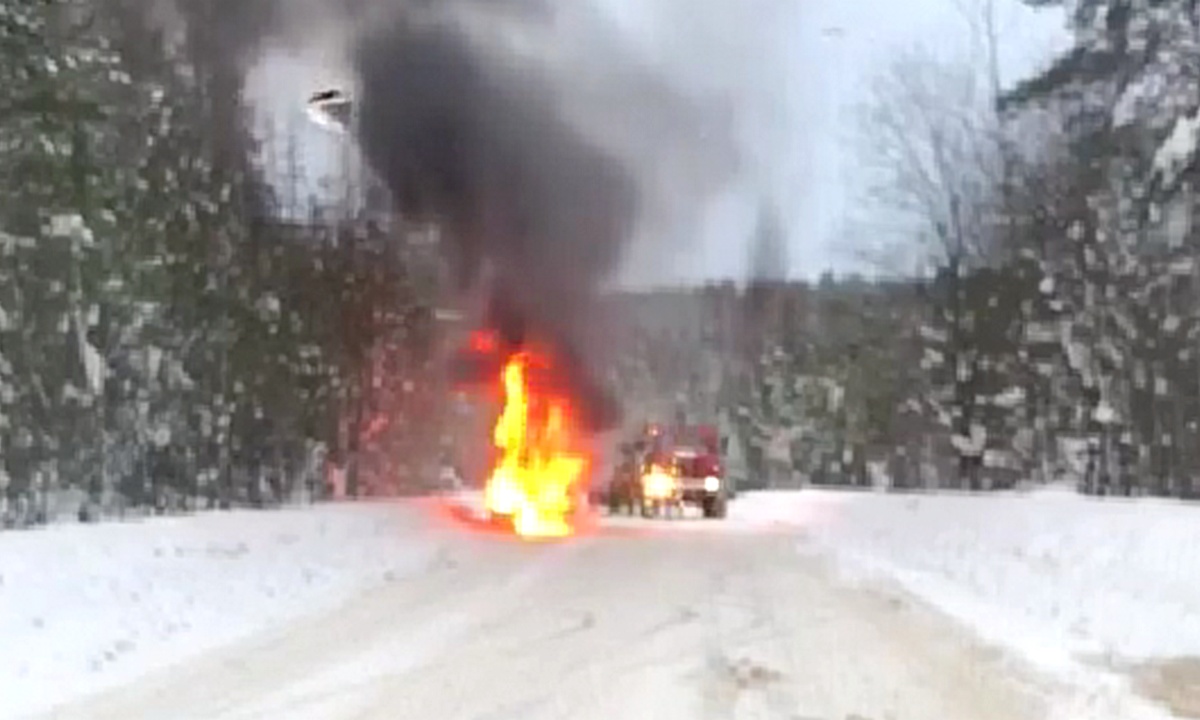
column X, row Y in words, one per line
column 65, row 89
column 1131, row 108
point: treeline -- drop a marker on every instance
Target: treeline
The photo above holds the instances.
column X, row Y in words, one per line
column 1064, row 315
column 811, row 381
column 1054, row 328
column 165, row 342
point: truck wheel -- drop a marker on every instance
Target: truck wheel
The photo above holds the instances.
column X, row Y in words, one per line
column 715, row 507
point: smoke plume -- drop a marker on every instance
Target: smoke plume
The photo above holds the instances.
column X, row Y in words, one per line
column 538, row 146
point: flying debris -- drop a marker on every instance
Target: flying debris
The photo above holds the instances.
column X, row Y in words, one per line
column 330, row 109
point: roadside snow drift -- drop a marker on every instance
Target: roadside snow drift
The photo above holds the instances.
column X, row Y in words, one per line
column 1059, row 577
column 83, row 608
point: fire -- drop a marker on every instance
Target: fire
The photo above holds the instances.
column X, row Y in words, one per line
column 540, row 466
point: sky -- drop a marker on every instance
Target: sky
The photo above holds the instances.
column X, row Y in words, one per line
column 797, row 72
column 849, row 42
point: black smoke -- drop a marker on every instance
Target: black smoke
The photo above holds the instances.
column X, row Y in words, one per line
column 527, row 204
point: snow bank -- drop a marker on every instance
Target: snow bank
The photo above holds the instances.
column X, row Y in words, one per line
column 88, row 607
column 1056, row 576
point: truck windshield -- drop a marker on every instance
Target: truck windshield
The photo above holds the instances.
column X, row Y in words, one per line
column 697, row 466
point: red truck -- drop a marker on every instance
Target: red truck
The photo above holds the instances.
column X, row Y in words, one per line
column 669, row 468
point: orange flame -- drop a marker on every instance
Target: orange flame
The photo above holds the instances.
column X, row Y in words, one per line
column 540, row 467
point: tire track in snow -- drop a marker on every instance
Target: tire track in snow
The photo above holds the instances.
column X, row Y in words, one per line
column 662, row 626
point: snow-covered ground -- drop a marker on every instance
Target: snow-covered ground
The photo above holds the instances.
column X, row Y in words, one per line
column 1073, row 585
column 1069, row 583
column 1056, row 576
column 89, row 607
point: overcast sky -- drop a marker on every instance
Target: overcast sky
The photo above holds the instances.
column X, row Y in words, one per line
column 809, row 61
column 845, row 61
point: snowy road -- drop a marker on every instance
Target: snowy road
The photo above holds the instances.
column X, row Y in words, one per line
column 686, row 621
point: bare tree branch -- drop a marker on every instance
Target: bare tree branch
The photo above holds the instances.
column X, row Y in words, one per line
column 933, row 154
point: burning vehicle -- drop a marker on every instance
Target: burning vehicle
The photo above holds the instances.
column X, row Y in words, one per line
column 535, row 200
column 541, row 458
column 527, row 351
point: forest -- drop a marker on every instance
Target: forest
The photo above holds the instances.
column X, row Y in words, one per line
column 173, row 337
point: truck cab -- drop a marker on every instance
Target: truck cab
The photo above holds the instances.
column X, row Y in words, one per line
column 666, row 469
column 701, row 480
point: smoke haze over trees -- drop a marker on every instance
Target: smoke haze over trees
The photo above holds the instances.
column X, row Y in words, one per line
column 162, row 343
column 202, row 353
column 168, row 342
column 1055, row 335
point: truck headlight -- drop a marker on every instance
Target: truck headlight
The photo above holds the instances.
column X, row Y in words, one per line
column 712, row 483
column 657, row 485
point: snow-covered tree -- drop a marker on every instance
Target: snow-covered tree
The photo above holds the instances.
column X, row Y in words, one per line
column 163, row 343
column 1127, row 92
